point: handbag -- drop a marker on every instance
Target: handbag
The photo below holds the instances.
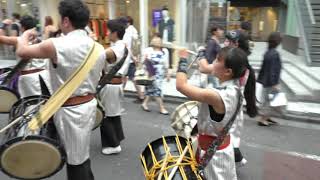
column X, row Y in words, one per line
column 142, row 78
column 277, row 98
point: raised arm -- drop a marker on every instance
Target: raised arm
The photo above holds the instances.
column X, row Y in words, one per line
column 8, row 40
column 195, row 93
column 45, row 49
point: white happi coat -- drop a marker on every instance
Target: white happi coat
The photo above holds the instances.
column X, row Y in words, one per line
column 111, row 94
column 222, row 164
column 29, row 84
column 74, row 123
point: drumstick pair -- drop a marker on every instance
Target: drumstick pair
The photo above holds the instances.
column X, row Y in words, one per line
column 174, row 46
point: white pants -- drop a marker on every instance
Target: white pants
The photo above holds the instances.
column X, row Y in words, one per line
column 110, row 98
column 74, row 125
column 29, row 84
column 222, row 165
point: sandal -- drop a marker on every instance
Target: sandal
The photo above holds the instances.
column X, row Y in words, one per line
column 145, row 109
column 263, row 123
column 164, row 113
column 272, row 122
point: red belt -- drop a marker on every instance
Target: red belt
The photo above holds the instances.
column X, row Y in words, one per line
column 204, row 141
column 116, row 80
column 25, row 72
column 73, row 101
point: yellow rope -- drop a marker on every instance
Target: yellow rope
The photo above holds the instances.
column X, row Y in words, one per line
column 66, row 90
column 158, row 168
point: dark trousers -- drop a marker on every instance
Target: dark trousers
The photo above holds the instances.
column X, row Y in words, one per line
column 237, row 155
column 82, row 171
column 111, row 131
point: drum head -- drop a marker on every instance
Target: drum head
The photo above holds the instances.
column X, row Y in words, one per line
column 8, row 98
column 185, row 118
column 31, row 159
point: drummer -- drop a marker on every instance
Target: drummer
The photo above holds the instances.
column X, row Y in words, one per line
column 111, row 95
column 217, row 107
column 29, row 81
column 75, row 120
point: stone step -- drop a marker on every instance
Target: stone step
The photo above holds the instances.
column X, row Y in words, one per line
column 307, row 81
column 300, row 92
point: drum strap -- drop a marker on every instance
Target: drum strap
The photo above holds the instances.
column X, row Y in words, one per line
column 219, row 140
column 107, row 78
column 66, row 90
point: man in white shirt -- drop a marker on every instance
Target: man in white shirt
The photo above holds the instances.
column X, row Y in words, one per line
column 129, row 68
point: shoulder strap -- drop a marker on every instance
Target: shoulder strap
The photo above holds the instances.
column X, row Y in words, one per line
column 217, row 142
column 66, row 90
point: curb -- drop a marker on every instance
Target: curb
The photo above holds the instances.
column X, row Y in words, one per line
column 311, row 118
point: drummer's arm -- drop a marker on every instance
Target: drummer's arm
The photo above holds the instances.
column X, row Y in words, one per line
column 45, row 49
column 195, row 93
column 8, row 40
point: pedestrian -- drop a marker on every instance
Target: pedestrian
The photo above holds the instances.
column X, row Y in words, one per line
column 218, row 106
column 269, row 77
column 111, row 127
column 212, row 50
column 49, row 28
column 241, row 40
column 15, row 25
column 156, row 60
column 75, row 119
column 130, row 37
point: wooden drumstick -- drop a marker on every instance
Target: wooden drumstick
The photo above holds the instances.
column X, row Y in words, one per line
column 165, row 162
column 174, row 170
column 21, row 117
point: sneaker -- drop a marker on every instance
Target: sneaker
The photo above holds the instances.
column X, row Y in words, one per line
column 242, row 163
column 111, row 150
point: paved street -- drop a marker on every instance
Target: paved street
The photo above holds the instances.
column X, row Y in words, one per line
column 290, row 151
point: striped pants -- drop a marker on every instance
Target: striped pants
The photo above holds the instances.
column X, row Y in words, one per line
column 74, row 125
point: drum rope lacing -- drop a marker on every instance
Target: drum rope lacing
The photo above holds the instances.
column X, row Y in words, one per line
column 159, row 167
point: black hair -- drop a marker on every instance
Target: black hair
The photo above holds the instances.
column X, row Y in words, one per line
column 77, row 12
column 123, row 20
column 165, row 8
column 16, row 15
column 245, row 26
column 237, row 60
column 28, row 22
column 115, row 25
column 214, row 28
column 243, row 42
column 274, row 40
column 130, row 20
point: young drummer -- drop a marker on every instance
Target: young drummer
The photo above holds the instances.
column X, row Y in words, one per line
column 217, row 107
column 111, row 95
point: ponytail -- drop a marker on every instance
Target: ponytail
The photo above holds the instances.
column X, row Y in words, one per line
column 250, row 93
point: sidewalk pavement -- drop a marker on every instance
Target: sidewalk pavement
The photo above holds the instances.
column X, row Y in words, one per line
column 297, row 109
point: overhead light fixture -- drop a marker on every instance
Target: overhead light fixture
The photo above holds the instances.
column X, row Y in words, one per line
column 127, row 1
column 23, row 4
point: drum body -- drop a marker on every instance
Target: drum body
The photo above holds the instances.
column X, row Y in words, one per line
column 99, row 115
column 156, row 159
column 30, row 155
column 185, row 118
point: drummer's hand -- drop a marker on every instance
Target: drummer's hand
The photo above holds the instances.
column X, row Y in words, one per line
column 30, row 34
column 183, row 53
column 201, row 53
column 183, row 63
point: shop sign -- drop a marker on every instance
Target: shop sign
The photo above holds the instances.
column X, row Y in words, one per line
column 156, row 17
